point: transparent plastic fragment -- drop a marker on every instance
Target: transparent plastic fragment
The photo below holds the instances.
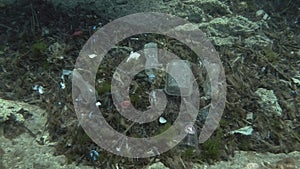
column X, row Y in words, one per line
column 179, row 80
column 151, row 55
column 191, row 138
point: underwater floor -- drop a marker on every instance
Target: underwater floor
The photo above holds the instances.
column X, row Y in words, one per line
column 226, row 72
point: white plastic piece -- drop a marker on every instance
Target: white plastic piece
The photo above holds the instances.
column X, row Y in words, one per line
column 63, row 74
column 190, row 129
column 162, row 120
column 266, row 16
column 62, row 85
column 249, row 116
column 92, row 56
column 247, row 131
column 133, row 55
column 98, row 103
column 260, row 12
column 38, row 88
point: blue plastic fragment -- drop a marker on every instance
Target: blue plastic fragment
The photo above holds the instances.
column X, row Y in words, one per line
column 94, row 155
column 151, row 77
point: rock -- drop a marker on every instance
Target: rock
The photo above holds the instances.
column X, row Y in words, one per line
column 225, row 31
column 10, row 110
column 268, row 101
column 257, row 40
column 23, row 151
column 254, row 160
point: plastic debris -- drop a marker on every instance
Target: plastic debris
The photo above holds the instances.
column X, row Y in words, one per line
column 62, row 85
column 39, row 89
column 86, row 92
column 59, row 104
column 122, row 144
column 133, row 55
column 151, row 76
column 191, row 138
column 180, row 78
column 92, row 56
column 244, row 131
column 190, row 129
column 151, row 55
column 158, row 100
column 94, row 155
column 98, row 103
column 249, row 116
column 62, row 77
column 162, row 120
column 66, row 72
column 266, row 16
column 260, row 12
